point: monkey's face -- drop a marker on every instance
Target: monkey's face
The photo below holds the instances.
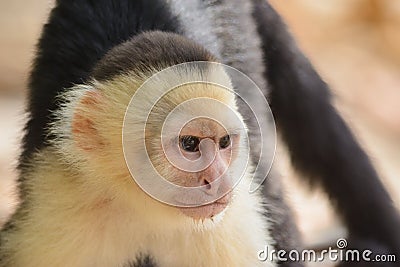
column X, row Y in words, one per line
column 199, row 154
column 194, row 149
column 201, row 159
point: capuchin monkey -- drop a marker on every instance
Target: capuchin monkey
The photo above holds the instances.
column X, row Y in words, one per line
column 84, row 184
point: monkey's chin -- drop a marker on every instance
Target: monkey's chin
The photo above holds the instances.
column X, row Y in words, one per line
column 208, row 211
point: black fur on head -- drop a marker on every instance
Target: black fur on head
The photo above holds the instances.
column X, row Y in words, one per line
column 149, row 50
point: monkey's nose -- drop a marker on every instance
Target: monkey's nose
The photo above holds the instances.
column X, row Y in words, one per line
column 207, row 184
column 211, row 185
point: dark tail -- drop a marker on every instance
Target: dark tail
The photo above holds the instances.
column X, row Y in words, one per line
column 321, row 145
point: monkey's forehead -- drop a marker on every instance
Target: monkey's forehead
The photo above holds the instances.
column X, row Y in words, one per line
column 171, row 86
column 207, row 127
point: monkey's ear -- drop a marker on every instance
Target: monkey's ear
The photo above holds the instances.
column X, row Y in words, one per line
column 84, row 125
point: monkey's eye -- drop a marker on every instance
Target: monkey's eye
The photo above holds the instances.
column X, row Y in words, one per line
column 225, row 141
column 190, row 143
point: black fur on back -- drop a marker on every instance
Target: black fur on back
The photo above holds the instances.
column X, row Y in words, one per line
column 76, row 37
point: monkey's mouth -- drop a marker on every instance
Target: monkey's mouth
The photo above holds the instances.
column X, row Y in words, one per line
column 207, row 211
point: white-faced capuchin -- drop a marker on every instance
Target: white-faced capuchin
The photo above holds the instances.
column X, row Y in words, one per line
column 121, row 85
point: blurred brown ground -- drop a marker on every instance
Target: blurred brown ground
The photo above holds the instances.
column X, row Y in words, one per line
column 354, row 44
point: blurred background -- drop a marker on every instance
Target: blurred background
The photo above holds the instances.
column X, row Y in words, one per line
column 354, row 44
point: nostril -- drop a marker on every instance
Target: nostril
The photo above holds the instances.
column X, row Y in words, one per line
column 207, row 184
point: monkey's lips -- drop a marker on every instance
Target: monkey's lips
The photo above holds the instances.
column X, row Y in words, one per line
column 209, row 210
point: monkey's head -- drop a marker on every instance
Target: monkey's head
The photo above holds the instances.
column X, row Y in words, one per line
column 171, row 125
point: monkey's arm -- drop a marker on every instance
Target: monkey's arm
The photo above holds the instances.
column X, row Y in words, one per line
column 320, row 144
